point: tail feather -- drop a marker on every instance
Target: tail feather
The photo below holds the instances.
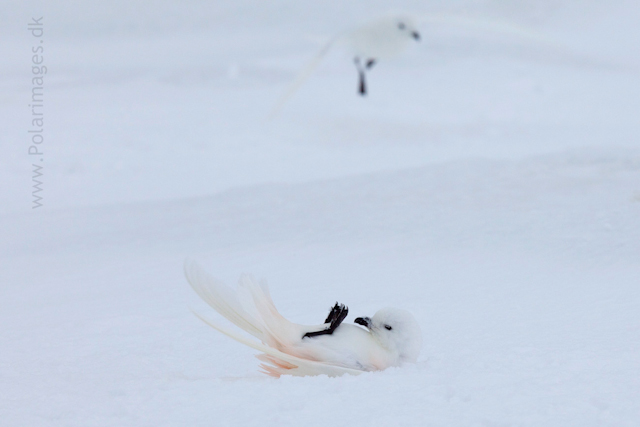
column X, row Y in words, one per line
column 273, row 366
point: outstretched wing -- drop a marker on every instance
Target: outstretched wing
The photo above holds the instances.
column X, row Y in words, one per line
column 300, row 79
column 279, row 363
column 222, row 299
column 249, row 307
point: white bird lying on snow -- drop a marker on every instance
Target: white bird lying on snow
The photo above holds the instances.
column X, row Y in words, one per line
column 390, row 338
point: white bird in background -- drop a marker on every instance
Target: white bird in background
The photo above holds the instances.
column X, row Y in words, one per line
column 389, row 36
column 381, row 39
column 390, row 338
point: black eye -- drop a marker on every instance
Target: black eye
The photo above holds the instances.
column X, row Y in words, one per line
column 401, row 25
column 387, row 327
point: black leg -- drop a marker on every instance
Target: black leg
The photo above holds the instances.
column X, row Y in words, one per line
column 362, row 89
column 337, row 314
column 362, row 86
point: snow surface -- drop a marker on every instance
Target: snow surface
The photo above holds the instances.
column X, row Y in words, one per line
column 490, row 185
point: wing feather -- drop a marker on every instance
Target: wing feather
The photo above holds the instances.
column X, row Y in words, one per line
column 221, row 298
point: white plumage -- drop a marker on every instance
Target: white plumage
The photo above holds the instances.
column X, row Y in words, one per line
column 382, row 38
column 391, row 337
column 390, row 35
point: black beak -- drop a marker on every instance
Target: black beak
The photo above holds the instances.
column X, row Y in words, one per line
column 364, row 321
column 415, row 35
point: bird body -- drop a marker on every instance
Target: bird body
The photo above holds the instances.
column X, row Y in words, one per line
column 383, row 38
column 350, row 346
column 390, row 338
column 390, row 35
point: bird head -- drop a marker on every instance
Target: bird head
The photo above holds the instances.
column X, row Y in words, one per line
column 396, row 330
column 382, row 38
